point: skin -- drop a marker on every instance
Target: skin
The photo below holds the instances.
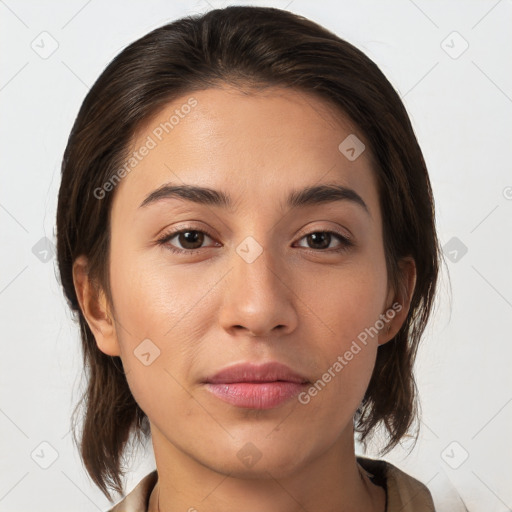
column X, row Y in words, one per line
column 211, row 309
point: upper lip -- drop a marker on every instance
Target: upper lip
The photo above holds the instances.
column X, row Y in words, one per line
column 250, row 372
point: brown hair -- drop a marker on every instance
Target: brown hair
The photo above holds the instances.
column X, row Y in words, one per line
column 252, row 47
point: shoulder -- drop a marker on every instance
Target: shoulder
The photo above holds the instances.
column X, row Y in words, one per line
column 404, row 493
column 138, row 499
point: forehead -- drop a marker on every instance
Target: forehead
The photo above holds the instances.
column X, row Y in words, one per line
column 259, row 145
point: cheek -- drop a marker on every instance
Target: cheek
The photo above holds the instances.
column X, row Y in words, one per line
column 344, row 306
column 346, row 301
column 152, row 298
column 161, row 321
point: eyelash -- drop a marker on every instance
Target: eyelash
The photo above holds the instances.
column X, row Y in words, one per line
column 164, row 241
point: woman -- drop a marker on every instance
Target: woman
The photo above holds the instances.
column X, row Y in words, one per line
column 246, row 232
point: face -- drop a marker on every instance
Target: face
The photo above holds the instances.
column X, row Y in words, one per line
column 199, row 285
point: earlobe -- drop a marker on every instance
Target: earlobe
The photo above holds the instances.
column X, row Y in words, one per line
column 94, row 306
column 399, row 305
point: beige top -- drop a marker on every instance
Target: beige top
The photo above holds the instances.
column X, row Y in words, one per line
column 403, row 492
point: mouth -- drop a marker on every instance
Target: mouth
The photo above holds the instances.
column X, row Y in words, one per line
column 253, row 386
column 256, row 395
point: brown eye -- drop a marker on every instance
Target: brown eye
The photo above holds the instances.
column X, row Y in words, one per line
column 321, row 240
column 187, row 241
column 190, row 239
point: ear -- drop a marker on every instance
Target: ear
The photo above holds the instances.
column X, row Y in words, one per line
column 94, row 306
column 398, row 302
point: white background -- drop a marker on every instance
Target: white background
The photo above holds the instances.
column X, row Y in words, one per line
column 461, row 109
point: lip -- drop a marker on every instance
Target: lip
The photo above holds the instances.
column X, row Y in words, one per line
column 252, row 386
column 250, row 372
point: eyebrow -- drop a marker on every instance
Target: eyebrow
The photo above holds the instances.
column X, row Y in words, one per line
column 313, row 195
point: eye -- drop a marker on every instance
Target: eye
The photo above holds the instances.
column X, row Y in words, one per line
column 190, row 240
column 321, row 240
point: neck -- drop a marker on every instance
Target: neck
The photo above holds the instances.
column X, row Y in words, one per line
column 330, row 482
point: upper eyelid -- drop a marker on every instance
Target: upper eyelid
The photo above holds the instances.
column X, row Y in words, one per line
column 191, row 227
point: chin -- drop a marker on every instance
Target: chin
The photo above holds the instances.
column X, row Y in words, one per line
column 260, row 460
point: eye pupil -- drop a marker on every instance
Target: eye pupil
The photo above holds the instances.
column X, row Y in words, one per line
column 320, row 237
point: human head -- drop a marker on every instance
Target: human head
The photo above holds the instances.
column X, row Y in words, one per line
column 251, row 49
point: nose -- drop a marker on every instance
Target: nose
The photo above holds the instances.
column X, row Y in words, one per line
column 258, row 297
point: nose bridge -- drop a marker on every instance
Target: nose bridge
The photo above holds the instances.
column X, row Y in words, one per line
column 256, row 297
column 254, row 263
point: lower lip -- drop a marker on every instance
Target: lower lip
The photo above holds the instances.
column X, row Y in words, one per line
column 252, row 395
